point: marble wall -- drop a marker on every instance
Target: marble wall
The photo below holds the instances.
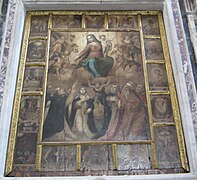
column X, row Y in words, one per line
column 3, row 12
column 181, row 34
column 5, row 45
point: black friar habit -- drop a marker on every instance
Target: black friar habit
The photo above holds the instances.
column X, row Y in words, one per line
column 55, row 118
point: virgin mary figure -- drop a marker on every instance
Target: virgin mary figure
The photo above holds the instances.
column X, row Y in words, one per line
column 92, row 58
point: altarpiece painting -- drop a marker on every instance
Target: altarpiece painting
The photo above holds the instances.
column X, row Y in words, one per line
column 95, row 95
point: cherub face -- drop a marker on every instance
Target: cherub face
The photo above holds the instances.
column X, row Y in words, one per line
column 103, row 37
column 97, row 85
column 82, row 91
column 114, row 88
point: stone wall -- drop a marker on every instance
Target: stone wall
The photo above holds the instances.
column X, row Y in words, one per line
column 3, row 12
column 188, row 14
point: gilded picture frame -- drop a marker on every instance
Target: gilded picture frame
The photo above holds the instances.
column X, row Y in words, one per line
column 99, row 84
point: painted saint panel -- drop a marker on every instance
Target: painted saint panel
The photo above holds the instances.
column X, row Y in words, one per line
column 25, row 150
column 157, row 77
column 29, row 117
column 67, row 21
column 93, row 21
column 58, row 158
column 33, row 79
column 96, row 158
column 161, row 108
column 97, row 88
column 36, row 51
column 167, row 147
column 39, row 26
column 153, row 49
column 123, row 22
column 134, row 157
column 150, row 25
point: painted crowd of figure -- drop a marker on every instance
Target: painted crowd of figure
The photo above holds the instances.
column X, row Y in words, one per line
column 78, row 119
column 104, row 96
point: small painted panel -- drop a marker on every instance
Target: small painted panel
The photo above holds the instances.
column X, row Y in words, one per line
column 157, row 77
column 39, row 26
column 134, row 157
column 25, row 149
column 97, row 89
column 93, row 21
column 53, row 158
column 161, row 108
column 95, row 158
column 150, row 25
column 153, row 49
column 29, row 116
column 36, row 51
column 122, row 22
column 33, row 79
column 58, row 158
column 167, row 147
column 67, row 21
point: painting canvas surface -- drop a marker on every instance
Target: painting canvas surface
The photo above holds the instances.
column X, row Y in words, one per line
column 95, row 88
